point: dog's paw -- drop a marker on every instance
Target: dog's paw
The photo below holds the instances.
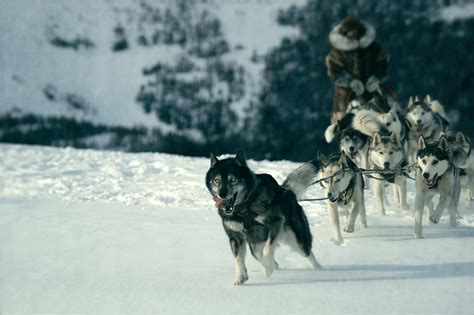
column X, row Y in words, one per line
column 241, row 278
column 453, row 222
column 268, row 270
column 417, row 236
column 349, row 229
column 338, row 242
column 363, row 224
column 434, row 219
column 276, row 265
column 313, row 263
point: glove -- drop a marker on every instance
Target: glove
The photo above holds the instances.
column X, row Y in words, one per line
column 357, row 86
column 373, row 84
column 344, row 80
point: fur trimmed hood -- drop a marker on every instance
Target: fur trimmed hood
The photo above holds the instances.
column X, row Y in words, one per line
column 344, row 43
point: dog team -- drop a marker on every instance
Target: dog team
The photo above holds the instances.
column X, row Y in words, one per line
column 385, row 147
column 379, row 145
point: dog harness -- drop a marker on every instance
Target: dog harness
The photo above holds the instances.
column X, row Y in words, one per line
column 346, row 196
column 390, row 177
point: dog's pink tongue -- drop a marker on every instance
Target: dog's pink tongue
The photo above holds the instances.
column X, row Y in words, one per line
column 419, row 128
column 218, row 201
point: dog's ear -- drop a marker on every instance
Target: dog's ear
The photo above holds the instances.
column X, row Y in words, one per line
column 376, row 140
column 443, row 143
column 410, row 101
column 417, row 99
column 214, row 159
column 321, row 157
column 427, row 99
column 421, row 143
column 240, row 159
column 394, row 138
column 460, row 138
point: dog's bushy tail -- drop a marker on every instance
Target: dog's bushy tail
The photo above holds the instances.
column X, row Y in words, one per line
column 437, row 107
column 301, row 177
column 330, row 133
column 366, row 121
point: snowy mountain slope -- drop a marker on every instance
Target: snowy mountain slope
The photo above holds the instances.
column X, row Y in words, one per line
column 84, row 231
column 40, row 78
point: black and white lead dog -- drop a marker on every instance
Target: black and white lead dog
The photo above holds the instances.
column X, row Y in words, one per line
column 257, row 211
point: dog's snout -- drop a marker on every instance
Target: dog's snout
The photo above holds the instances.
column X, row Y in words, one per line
column 329, row 194
column 223, row 193
column 386, row 164
column 351, row 148
column 426, row 175
column 418, row 121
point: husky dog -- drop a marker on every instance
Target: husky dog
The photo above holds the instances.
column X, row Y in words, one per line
column 356, row 145
column 460, row 147
column 436, row 174
column 344, row 186
column 394, row 124
column 256, row 210
column 387, row 153
column 425, row 118
column 355, row 131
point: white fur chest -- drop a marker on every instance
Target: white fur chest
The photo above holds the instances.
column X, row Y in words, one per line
column 234, row 226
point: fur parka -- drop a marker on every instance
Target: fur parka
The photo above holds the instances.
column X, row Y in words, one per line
column 353, row 59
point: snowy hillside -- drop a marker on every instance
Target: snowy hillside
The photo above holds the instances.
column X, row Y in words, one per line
column 85, row 231
column 57, row 57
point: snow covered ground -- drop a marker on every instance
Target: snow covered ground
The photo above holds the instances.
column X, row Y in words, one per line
column 84, row 231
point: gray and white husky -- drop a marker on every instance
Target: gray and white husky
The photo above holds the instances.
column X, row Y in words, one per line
column 257, row 211
column 387, row 154
column 460, row 146
column 436, row 174
column 356, row 146
column 395, row 124
column 354, row 132
column 425, row 118
column 344, row 186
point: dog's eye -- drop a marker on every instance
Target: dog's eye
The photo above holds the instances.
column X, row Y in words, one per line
column 380, row 152
column 232, row 179
column 435, row 162
column 422, row 113
column 394, row 119
column 388, row 124
column 217, row 180
column 391, row 152
column 337, row 180
column 424, row 162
